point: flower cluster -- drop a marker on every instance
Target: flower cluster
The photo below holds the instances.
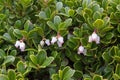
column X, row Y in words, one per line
column 92, row 38
column 60, row 40
column 20, row 44
column 45, row 41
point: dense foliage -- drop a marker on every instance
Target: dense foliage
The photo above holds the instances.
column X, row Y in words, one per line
column 59, row 39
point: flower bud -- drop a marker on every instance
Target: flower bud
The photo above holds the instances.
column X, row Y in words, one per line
column 42, row 43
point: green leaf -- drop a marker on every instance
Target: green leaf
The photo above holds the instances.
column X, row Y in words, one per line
column 71, row 12
column 59, row 5
column 13, row 53
column 62, row 26
column 78, row 74
column 7, row 37
column 26, row 3
column 2, row 53
column 68, row 73
column 61, row 74
column 33, row 59
column 107, row 57
column 109, row 35
column 97, row 77
column 68, row 22
column 118, row 28
column 117, row 70
column 42, row 15
column 98, row 23
column 116, row 76
column 11, row 75
column 41, row 56
column 97, row 15
column 40, row 31
column 3, row 77
column 57, row 20
column 28, row 26
column 47, row 62
column 17, row 33
column 2, row 16
column 9, row 59
column 118, row 7
column 52, row 26
column 18, row 24
column 55, row 77
column 21, row 67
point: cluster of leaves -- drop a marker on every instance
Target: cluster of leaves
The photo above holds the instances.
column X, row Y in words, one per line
column 75, row 20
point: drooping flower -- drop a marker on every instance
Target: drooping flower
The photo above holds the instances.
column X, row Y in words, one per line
column 54, row 39
column 82, row 50
column 17, row 44
column 42, row 43
column 22, row 46
column 94, row 37
column 60, row 41
column 47, row 41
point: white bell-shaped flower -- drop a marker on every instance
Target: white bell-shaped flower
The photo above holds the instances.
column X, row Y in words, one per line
column 42, row 43
column 61, row 40
column 94, row 37
column 47, row 41
column 17, row 44
column 22, row 46
column 82, row 50
column 54, row 39
column 59, row 44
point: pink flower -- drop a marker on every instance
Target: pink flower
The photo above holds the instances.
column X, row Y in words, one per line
column 43, row 42
column 47, row 41
column 54, row 39
column 20, row 44
column 17, row 44
column 94, row 37
column 60, row 41
column 82, row 50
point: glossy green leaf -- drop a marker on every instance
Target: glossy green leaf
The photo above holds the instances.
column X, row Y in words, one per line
column 71, row 12
column 57, row 20
column 21, row 67
column 42, row 15
column 41, row 57
column 68, row 73
column 47, row 62
column 17, row 33
column 52, row 26
column 34, row 59
column 9, row 59
column 98, row 23
column 11, row 75
column 2, row 53
column 3, row 77
column 97, row 77
column 59, row 5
